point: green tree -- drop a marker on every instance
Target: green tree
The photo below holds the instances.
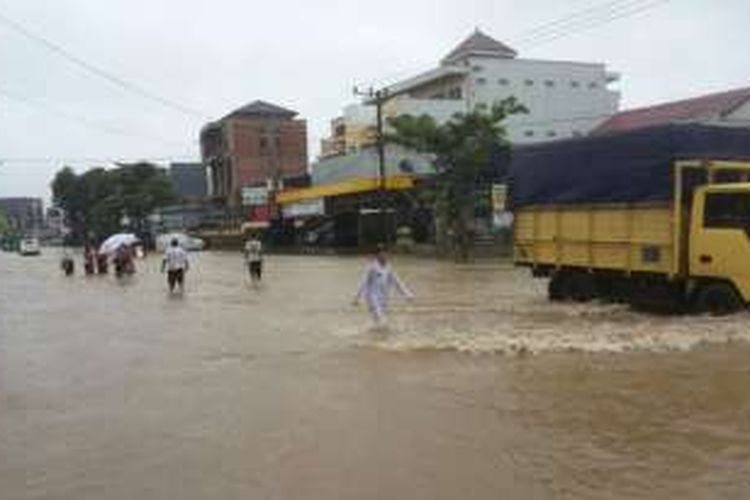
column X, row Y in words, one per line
column 96, row 200
column 143, row 187
column 4, row 223
column 463, row 149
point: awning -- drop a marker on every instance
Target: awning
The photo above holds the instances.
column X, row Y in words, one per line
column 349, row 186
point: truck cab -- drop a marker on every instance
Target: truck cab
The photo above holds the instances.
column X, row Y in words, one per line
column 719, row 247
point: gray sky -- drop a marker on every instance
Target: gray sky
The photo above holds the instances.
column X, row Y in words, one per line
column 218, row 55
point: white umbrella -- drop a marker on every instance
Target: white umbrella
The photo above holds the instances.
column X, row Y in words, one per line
column 116, row 241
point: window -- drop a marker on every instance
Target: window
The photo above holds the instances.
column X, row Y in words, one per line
column 727, row 210
column 481, row 81
column 503, row 81
column 549, row 83
column 476, row 69
column 574, row 84
column 593, row 85
column 454, row 93
column 551, row 133
column 263, row 145
column 529, row 83
column 529, row 133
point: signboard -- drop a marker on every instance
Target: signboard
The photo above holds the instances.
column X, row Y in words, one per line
column 305, row 208
column 501, row 217
column 253, row 196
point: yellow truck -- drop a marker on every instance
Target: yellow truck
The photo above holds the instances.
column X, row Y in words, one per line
column 654, row 217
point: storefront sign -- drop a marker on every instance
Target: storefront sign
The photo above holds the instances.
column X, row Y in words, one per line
column 306, row 208
column 252, row 196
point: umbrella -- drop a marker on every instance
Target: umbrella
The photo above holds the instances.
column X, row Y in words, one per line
column 116, row 241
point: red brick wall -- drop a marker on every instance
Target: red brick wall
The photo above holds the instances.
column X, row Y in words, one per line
column 253, row 165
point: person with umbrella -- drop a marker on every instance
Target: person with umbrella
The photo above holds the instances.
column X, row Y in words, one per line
column 120, row 245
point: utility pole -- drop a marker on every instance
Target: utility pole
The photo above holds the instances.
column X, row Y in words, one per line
column 379, row 97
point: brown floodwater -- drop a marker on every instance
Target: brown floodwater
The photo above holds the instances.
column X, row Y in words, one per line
column 480, row 389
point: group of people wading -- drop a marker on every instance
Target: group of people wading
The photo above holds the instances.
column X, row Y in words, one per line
column 375, row 285
column 96, row 262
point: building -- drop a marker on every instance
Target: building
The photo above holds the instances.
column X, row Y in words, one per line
column 250, row 152
column 24, row 214
column 189, row 180
column 731, row 108
column 563, row 98
column 350, row 132
column 342, row 206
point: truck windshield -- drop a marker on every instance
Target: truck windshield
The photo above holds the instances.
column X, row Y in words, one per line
column 727, row 210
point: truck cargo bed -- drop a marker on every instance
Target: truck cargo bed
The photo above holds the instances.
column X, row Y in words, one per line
column 624, row 238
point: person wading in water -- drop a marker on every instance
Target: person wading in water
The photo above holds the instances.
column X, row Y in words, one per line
column 176, row 263
column 375, row 287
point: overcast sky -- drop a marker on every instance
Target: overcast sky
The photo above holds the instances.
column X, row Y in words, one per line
column 212, row 57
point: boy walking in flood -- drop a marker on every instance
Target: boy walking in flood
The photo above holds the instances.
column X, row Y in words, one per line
column 176, row 263
column 375, row 286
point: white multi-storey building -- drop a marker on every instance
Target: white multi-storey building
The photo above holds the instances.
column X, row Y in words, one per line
column 563, row 98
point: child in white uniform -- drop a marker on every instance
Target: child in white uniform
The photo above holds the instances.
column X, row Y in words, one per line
column 375, row 286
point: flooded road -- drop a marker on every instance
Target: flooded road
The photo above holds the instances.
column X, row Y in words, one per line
column 480, row 390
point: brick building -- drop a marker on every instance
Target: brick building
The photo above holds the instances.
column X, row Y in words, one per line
column 250, row 153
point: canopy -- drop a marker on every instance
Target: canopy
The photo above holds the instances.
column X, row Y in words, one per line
column 635, row 166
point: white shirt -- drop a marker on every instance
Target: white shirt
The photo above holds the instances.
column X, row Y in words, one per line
column 253, row 251
column 176, row 258
column 376, row 283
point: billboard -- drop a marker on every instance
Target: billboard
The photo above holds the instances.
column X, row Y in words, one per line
column 305, row 208
column 253, row 196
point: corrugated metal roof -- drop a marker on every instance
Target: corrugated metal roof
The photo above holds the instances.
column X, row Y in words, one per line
column 700, row 108
column 364, row 164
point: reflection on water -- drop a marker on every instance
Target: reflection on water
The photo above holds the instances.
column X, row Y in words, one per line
column 479, row 389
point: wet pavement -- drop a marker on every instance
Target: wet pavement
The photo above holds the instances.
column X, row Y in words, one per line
column 480, row 389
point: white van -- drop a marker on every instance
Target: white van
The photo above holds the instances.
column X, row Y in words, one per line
column 29, row 246
column 189, row 243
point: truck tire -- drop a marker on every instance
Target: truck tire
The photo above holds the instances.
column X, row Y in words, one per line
column 581, row 287
column 717, row 299
column 557, row 288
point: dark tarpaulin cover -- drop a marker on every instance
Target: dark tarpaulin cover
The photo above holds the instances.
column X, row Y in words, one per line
column 633, row 166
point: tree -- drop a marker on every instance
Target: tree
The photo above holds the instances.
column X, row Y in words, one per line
column 463, row 150
column 4, row 223
column 96, row 200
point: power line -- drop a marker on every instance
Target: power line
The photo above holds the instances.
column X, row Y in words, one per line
column 101, row 127
column 97, row 159
column 611, row 12
column 555, row 24
column 101, row 73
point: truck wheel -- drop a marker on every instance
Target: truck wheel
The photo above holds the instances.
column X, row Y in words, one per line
column 557, row 288
column 717, row 299
column 581, row 287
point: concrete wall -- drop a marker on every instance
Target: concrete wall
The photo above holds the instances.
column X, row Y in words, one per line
column 564, row 99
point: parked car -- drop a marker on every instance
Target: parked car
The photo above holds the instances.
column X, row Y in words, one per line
column 29, row 246
column 187, row 242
